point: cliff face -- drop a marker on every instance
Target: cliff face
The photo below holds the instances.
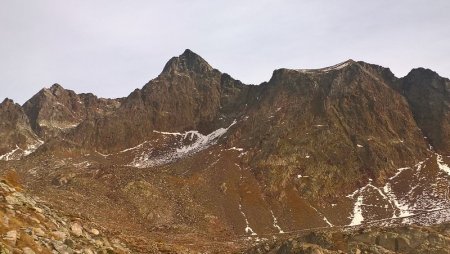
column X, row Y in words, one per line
column 16, row 134
column 428, row 95
column 55, row 110
column 336, row 125
column 195, row 155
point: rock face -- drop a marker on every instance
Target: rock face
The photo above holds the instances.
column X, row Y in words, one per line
column 16, row 134
column 343, row 122
column 189, row 94
column 195, row 155
column 56, row 110
column 429, row 97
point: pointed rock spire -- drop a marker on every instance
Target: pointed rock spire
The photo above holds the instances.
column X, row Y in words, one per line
column 187, row 62
column 7, row 102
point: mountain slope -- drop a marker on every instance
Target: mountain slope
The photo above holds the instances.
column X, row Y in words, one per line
column 195, row 156
column 188, row 94
column 337, row 126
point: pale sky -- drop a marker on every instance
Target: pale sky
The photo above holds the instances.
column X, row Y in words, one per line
column 111, row 47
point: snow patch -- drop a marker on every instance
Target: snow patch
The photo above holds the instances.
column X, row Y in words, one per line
column 248, row 229
column 237, row 149
column 402, row 207
column 442, row 166
column 33, row 147
column 8, row 156
column 17, row 153
column 198, row 143
column 326, row 69
column 357, row 217
column 275, row 223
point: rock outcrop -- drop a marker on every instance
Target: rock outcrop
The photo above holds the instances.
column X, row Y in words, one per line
column 54, row 111
column 16, row 135
column 29, row 226
column 429, row 97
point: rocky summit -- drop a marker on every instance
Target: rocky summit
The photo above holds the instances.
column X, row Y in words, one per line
column 343, row 159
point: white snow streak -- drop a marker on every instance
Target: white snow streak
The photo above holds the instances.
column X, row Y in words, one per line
column 247, row 229
column 237, row 149
column 442, row 166
column 357, row 217
column 32, row 148
column 326, row 69
column 275, row 223
column 17, row 153
column 323, row 216
column 134, row 148
column 7, row 156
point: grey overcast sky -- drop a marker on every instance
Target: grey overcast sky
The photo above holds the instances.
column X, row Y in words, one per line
column 111, row 47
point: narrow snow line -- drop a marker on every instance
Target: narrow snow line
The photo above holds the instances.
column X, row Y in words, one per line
column 7, row 156
column 275, row 223
column 399, row 171
column 379, row 191
column 101, row 154
column 236, row 149
column 323, row 216
column 326, row 69
column 247, row 229
column 169, row 133
column 133, row 148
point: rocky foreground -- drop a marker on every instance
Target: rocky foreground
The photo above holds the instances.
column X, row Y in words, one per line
column 405, row 239
column 29, row 226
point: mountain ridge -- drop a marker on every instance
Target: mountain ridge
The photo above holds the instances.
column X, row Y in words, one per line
column 197, row 153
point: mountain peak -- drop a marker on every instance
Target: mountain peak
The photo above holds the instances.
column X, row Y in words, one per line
column 189, row 53
column 56, row 86
column 6, row 102
column 423, row 72
column 187, row 62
